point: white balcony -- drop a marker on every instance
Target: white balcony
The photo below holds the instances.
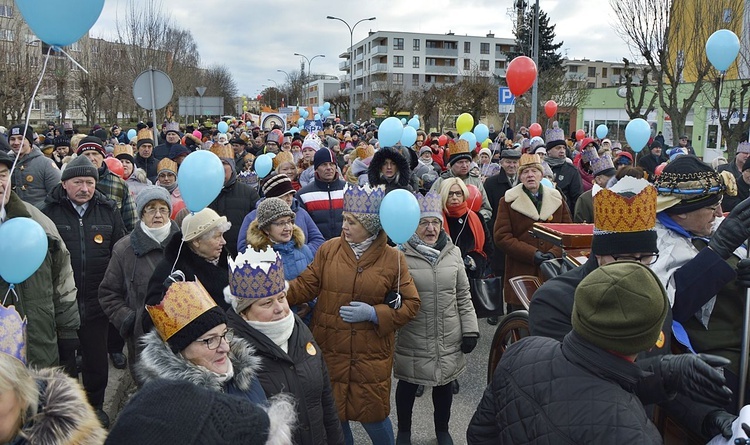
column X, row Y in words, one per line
column 379, row 68
column 380, row 49
column 344, row 91
column 359, row 57
column 442, row 52
column 440, row 69
column 344, row 66
column 499, row 72
column 379, row 86
column 359, row 88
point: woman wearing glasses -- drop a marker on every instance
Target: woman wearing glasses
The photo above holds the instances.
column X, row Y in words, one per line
column 122, row 292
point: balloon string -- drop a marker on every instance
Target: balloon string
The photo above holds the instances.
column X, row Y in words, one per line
column 57, row 48
column 11, row 288
column 25, row 129
column 513, row 102
column 182, row 242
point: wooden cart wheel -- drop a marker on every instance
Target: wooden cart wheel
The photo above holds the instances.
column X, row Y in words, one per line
column 512, row 328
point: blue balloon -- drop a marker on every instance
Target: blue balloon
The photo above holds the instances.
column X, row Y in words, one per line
column 416, row 116
column 294, row 130
column 200, row 178
column 23, row 244
column 327, row 106
column 301, row 122
column 326, row 113
column 722, row 48
column 317, row 117
column 414, row 123
column 131, row 134
column 547, row 183
column 469, row 137
column 601, row 131
column 637, row 133
column 70, row 24
column 481, row 132
column 399, row 215
column 390, row 131
column 403, row 120
column 409, row 136
column 223, row 128
column 263, row 165
column 304, row 113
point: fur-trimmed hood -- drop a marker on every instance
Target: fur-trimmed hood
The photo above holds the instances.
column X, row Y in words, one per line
column 158, row 361
column 379, row 158
column 521, row 203
column 64, row 416
column 258, row 240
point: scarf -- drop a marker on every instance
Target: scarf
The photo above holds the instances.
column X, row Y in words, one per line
column 360, row 248
column 554, row 162
column 475, row 225
column 158, row 234
column 277, row 331
column 427, row 163
column 430, row 252
column 170, row 188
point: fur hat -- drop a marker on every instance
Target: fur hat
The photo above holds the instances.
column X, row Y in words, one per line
column 276, row 186
column 151, row 193
column 80, row 166
column 378, row 160
column 620, row 307
column 271, row 209
column 197, row 224
column 91, row 143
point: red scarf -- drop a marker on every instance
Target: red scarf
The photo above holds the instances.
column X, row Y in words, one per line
column 475, row 225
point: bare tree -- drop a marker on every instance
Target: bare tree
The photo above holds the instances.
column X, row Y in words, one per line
column 390, row 96
column 219, row 82
column 20, row 64
column 426, row 102
column 339, row 104
column 476, row 93
column 635, row 99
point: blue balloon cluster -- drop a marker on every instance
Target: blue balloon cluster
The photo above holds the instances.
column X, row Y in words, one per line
column 390, row 131
column 303, row 113
column 470, row 138
column 414, row 123
column 409, row 136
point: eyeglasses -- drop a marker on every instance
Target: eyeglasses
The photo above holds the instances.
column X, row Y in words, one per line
column 153, row 210
column 646, row 260
column 288, row 223
column 456, row 194
column 214, row 342
column 425, row 223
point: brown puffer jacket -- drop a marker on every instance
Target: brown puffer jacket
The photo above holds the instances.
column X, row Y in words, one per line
column 359, row 356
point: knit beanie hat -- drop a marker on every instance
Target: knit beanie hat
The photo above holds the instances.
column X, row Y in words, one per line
column 172, row 412
column 197, row 224
column 620, row 307
column 61, row 141
column 276, row 186
column 271, row 209
column 80, row 166
column 91, row 143
column 424, row 150
column 322, row 156
column 151, row 193
column 18, row 129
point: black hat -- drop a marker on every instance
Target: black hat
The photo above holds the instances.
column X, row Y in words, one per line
column 61, row 141
column 18, row 129
column 8, row 161
column 239, row 141
column 91, row 143
column 80, row 166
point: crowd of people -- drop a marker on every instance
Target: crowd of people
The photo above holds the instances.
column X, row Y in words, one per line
column 284, row 304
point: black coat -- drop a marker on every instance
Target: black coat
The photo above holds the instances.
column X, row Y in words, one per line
column 649, row 162
column 568, row 181
column 463, row 238
column 547, row 392
column 89, row 239
column 235, row 201
column 213, row 278
column 496, row 186
column 148, row 165
column 301, row 372
column 402, row 164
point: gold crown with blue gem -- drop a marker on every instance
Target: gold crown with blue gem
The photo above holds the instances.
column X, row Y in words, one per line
column 363, row 199
column 255, row 274
column 12, row 333
column 430, row 205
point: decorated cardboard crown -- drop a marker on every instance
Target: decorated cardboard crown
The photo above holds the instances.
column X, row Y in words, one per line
column 364, row 151
column 282, row 157
column 172, row 126
column 743, row 147
column 312, row 141
column 589, row 154
column 222, row 151
column 602, row 164
column 256, row 274
column 12, row 333
column 123, row 149
column 554, row 134
column 629, row 206
column 363, row 199
column 529, row 160
column 430, row 205
column 145, row 134
column 183, row 302
column 168, row 165
column 458, row 147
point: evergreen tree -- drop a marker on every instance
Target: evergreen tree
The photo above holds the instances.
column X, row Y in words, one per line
column 549, row 58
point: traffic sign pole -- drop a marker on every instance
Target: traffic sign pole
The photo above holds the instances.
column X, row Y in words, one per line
column 153, row 105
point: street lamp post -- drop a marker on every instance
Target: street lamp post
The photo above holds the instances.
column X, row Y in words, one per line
column 276, row 93
column 291, row 87
column 351, row 61
column 309, row 69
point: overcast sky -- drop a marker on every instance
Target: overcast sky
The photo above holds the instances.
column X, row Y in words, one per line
column 255, row 38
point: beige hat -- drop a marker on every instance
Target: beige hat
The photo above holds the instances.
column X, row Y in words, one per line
column 197, row 224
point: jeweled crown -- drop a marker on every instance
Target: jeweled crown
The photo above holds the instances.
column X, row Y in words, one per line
column 430, row 205
column 629, row 206
column 363, row 199
column 554, row 134
column 183, row 302
column 255, row 274
column 12, row 333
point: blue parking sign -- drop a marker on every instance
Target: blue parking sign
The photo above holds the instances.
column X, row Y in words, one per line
column 504, row 96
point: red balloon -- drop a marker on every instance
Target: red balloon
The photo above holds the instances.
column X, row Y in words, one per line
column 474, row 199
column 115, row 166
column 580, row 134
column 520, row 75
column 535, row 130
column 550, row 108
column 442, row 140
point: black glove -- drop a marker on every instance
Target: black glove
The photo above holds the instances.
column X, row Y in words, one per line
column 743, row 273
column 733, row 231
column 695, row 377
column 718, row 422
column 540, row 257
column 469, row 263
column 67, row 347
column 126, row 329
column 468, row 344
column 393, row 299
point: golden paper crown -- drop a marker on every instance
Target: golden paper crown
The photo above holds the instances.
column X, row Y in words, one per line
column 123, row 149
column 184, row 302
column 256, row 274
column 166, row 164
column 223, row 151
column 282, row 157
column 458, row 147
column 145, row 133
column 631, row 207
column 528, row 160
column 364, row 151
column 12, row 333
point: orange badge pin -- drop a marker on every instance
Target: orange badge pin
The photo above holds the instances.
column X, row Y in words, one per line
column 660, row 340
column 29, row 178
column 98, row 238
column 310, row 348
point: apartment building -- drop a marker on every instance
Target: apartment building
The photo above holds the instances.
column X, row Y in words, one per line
column 600, row 74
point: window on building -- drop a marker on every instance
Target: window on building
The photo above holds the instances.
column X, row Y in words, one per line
column 484, row 48
column 398, row 78
column 398, row 61
column 416, row 44
column 75, row 47
column 591, row 85
column 499, row 64
column 592, row 71
column 604, row 72
column 484, row 65
column 498, row 48
column 398, row 43
column 415, row 80
column 415, row 62
column 6, row 34
column 467, row 47
column 616, row 71
column 572, row 69
column 6, row 11
column 429, row 78
column 467, row 64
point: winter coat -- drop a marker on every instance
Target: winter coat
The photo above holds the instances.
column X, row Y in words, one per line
column 324, row 201
column 743, row 192
column 516, row 215
column 547, row 392
column 584, row 209
column 313, row 238
column 47, row 299
column 64, row 416
column 649, row 162
column 295, row 255
column 359, row 356
column 34, row 177
column 136, row 182
column 496, row 186
column 300, row 372
column 116, row 189
column 463, row 238
column 213, row 277
column 473, row 179
column 567, row 179
column 234, row 201
column 404, row 173
column 122, row 293
column 90, row 239
column 428, row 348
column 148, row 165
